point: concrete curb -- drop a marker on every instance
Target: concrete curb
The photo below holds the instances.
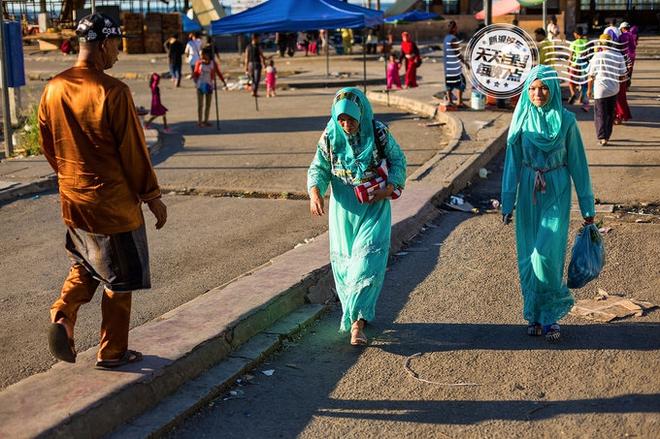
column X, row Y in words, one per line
column 178, row 347
column 42, row 184
column 154, row 143
column 184, row 343
column 217, row 380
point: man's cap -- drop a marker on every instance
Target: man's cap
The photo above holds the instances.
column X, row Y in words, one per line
column 97, row 27
column 624, row 25
column 348, row 103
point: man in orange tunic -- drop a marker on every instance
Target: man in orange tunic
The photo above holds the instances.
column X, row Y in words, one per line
column 92, row 138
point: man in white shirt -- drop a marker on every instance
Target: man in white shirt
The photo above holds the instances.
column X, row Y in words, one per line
column 553, row 29
column 606, row 71
column 193, row 50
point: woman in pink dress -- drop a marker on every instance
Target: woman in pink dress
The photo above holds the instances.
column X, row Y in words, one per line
column 393, row 77
column 157, row 108
column 271, row 79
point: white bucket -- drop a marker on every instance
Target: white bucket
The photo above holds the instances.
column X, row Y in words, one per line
column 477, row 101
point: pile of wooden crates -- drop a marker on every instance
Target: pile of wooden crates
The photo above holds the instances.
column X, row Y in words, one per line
column 147, row 33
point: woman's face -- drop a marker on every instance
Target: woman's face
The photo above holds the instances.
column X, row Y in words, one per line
column 348, row 124
column 539, row 93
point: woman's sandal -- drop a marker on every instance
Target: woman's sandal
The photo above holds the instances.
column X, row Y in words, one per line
column 357, row 336
column 552, row 332
column 128, row 358
column 534, row 329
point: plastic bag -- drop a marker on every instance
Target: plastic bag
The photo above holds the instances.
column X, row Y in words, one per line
column 588, row 257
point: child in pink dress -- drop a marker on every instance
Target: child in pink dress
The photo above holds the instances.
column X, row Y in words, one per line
column 271, row 77
column 157, row 108
column 393, row 77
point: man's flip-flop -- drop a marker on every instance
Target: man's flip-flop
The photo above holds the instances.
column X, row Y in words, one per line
column 61, row 346
column 128, row 358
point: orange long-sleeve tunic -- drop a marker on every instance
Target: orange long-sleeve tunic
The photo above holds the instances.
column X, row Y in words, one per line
column 91, row 136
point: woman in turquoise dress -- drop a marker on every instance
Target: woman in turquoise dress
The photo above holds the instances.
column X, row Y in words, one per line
column 348, row 154
column 544, row 153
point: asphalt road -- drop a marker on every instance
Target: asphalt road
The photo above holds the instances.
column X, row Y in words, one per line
column 627, row 169
column 454, row 298
column 267, row 150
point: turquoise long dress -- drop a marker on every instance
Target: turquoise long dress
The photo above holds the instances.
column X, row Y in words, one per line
column 544, row 153
column 359, row 233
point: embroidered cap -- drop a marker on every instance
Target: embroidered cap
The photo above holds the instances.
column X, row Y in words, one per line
column 97, row 27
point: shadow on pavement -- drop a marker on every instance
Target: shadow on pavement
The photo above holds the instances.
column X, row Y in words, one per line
column 448, row 337
column 470, row 412
column 267, row 125
column 175, row 142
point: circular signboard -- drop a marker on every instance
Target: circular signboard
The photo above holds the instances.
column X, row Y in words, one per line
column 499, row 58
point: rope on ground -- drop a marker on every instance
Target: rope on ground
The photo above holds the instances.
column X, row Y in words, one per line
column 415, row 375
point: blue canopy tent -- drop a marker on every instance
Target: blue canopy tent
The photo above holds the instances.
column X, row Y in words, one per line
column 298, row 16
column 190, row 25
column 412, row 16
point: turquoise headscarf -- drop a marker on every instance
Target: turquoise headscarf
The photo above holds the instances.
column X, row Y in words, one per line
column 541, row 124
column 341, row 146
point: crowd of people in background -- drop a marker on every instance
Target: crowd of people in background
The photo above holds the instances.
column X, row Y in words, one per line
column 600, row 71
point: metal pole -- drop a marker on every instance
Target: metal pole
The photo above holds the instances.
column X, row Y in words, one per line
column 93, row 6
column 488, row 11
column 215, row 86
column 6, row 116
column 364, row 58
column 545, row 16
column 327, row 53
column 387, row 90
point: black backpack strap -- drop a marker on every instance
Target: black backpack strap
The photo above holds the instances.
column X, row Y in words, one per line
column 380, row 146
column 329, row 148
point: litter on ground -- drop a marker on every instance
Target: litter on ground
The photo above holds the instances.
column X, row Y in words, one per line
column 463, row 207
column 607, row 307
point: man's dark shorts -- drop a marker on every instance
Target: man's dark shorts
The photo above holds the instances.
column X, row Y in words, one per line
column 119, row 261
column 455, row 82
